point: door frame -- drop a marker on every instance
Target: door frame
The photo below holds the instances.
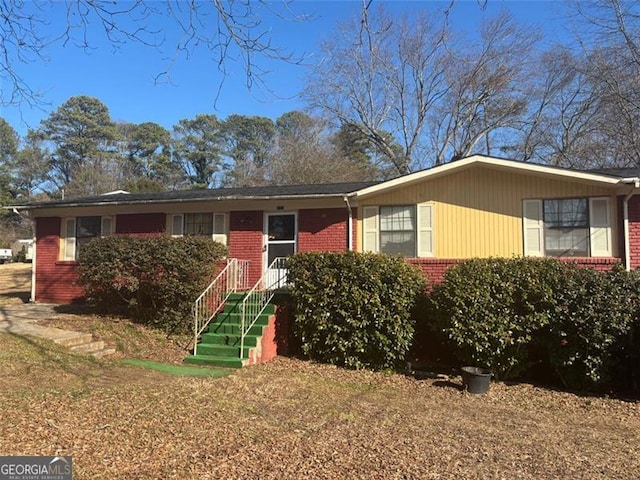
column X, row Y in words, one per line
column 265, row 235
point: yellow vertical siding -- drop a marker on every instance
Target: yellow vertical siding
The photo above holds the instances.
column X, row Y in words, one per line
column 478, row 211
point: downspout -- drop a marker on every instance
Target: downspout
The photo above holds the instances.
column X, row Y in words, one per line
column 625, row 213
column 33, row 267
column 350, row 224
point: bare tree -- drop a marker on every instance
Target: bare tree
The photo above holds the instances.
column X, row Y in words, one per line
column 234, row 30
column 440, row 97
column 562, row 126
column 487, row 91
column 381, row 75
column 608, row 31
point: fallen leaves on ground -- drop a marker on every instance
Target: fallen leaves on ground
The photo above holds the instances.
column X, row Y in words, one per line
column 296, row 419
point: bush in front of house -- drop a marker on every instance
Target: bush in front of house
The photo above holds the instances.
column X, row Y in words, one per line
column 511, row 314
column 354, row 309
column 153, row 280
column 490, row 309
column 589, row 325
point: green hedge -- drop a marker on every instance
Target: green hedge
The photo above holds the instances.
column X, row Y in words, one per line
column 353, row 309
column 512, row 314
column 154, row 280
column 490, row 309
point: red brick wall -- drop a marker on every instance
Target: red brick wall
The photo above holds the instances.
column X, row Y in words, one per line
column 137, row 224
column 56, row 281
column 324, row 230
column 268, row 346
column 434, row 268
column 246, row 239
column 634, row 231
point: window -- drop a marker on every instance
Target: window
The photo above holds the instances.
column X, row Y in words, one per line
column 78, row 231
column 567, row 227
column 399, row 230
column 200, row 224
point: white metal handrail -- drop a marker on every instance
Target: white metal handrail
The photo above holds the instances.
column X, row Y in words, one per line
column 233, row 277
column 259, row 296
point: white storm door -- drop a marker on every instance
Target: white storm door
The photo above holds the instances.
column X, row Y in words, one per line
column 280, row 242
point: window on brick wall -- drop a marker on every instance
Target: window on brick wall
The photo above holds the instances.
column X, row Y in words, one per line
column 78, row 231
column 567, row 227
column 212, row 225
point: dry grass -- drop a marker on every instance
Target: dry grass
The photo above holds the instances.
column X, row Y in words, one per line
column 295, row 419
column 15, row 283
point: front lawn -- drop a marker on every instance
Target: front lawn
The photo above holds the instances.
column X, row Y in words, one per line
column 295, row 419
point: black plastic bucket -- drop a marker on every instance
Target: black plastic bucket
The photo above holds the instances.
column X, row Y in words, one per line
column 476, row 379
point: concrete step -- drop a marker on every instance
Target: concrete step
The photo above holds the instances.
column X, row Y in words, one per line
column 71, row 339
column 102, row 352
column 89, row 346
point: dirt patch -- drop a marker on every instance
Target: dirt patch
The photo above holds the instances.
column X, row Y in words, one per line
column 15, row 283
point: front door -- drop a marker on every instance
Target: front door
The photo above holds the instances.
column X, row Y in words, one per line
column 280, row 242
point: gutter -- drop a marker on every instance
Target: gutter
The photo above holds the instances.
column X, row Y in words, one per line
column 62, row 204
column 635, row 181
column 349, row 225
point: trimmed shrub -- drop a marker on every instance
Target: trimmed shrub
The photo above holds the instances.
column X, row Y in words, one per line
column 490, row 309
column 511, row 314
column 152, row 280
column 592, row 317
column 353, row 309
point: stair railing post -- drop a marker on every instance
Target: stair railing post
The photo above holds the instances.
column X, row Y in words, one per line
column 242, row 309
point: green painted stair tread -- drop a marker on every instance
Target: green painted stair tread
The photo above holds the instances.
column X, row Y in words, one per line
column 236, row 319
column 227, row 362
column 237, row 329
column 222, row 350
column 228, row 339
column 231, row 309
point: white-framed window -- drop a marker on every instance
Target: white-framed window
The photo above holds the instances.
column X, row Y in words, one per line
column 78, row 231
column 209, row 224
column 567, row 227
column 405, row 230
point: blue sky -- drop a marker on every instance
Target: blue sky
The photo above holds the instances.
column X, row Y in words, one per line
column 123, row 79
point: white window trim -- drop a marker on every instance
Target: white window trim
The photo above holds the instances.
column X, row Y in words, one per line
column 178, row 219
column 68, row 247
column 221, row 237
column 535, row 226
column 425, row 241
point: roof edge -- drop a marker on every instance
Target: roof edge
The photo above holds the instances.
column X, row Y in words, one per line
column 179, row 200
